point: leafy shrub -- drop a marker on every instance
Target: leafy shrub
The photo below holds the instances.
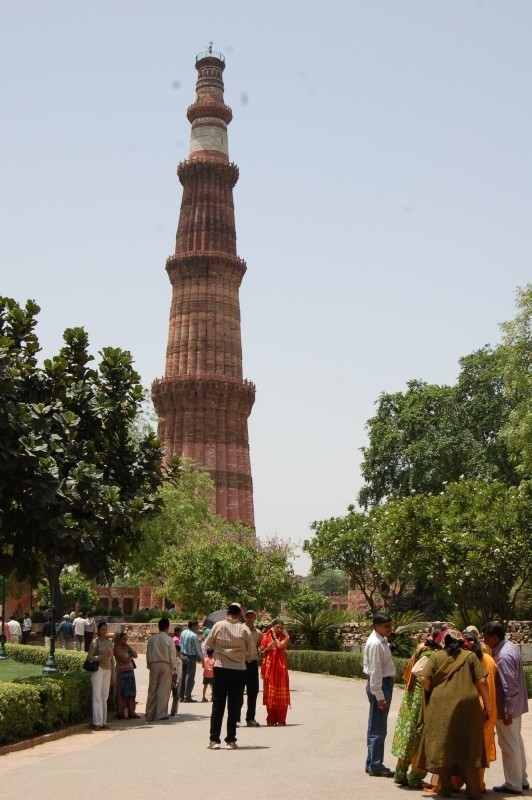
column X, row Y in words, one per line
column 314, row 625
column 33, row 705
column 155, row 614
column 349, row 665
column 528, row 679
column 405, row 624
column 142, row 616
column 67, row 660
column 306, row 601
column 19, row 711
column 345, row 665
column 115, row 611
column 38, row 616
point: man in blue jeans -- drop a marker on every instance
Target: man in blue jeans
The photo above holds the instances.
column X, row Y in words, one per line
column 380, row 669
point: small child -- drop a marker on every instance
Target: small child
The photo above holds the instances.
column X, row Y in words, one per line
column 208, row 673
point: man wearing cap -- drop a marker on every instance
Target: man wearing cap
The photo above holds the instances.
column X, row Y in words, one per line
column 233, row 647
column 252, row 669
column 64, row 632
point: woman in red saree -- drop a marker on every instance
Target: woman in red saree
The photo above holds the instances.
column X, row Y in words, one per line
column 274, row 671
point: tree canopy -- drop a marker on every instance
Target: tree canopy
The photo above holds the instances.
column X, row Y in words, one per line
column 200, row 559
column 430, row 434
column 330, row 581
column 74, row 480
column 471, row 543
column 76, row 591
column 446, row 516
column 517, row 359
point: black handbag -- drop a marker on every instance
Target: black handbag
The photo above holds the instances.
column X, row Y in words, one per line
column 90, row 666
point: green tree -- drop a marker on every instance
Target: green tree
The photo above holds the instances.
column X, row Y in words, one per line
column 76, row 591
column 348, row 544
column 184, row 511
column 74, row 483
column 402, row 528
column 517, row 358
column 330, row 582
column 202, row 561
column 314, row 625
column 306, row 601
column 431, row 434
column 223, row 563
column 483, row 554
column 472, row 542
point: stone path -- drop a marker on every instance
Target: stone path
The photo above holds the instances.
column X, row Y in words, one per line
column 318, row 756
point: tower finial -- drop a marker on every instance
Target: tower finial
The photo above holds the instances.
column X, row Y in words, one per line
column 210, row 47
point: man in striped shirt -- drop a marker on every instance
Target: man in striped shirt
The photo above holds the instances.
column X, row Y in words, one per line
column 232, row 644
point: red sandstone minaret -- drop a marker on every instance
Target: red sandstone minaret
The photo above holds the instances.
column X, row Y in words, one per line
column 202, row 401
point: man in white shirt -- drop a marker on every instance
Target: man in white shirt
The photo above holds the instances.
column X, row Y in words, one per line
column 80, row 623
column 26, row 628
column 380, row 669
column 15, row 631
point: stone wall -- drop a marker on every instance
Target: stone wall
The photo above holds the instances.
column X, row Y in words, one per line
column 354, row 635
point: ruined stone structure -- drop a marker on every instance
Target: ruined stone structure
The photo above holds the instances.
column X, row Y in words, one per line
column 202, row 401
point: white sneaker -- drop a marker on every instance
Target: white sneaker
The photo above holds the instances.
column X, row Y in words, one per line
column 231, row 746
column 213, row 745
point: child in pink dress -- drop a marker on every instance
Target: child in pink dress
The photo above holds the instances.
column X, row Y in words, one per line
column 208, row 673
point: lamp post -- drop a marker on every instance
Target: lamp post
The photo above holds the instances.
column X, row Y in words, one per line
column 3, row 653
column 50, row 668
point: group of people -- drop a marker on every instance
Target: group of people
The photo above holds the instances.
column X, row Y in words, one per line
column 236, row 643
column 229, row 656
column 76, row 629
column 19, row 632
column 115, row 667
column 456, row 695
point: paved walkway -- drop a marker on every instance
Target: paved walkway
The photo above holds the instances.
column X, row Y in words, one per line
column 318, row 756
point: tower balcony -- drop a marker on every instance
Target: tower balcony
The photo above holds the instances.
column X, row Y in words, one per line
column 209, row 108
column 210, row 54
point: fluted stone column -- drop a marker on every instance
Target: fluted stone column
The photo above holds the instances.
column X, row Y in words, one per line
column 203, row 401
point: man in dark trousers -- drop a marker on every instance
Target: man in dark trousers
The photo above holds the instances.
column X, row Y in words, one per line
column 252, row 669
column 380, row 669
column 232, row 645
column 190, row 654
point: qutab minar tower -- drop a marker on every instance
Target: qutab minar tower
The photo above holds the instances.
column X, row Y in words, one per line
column 203, row 402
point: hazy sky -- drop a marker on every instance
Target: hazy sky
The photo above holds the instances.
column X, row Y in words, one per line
column 384, row 204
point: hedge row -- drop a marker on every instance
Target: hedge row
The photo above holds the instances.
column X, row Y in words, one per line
column 30, row 706
column 67, row 660
column 346, row 665
column 349, row 665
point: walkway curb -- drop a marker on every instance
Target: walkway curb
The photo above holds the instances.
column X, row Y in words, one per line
column 27, row 744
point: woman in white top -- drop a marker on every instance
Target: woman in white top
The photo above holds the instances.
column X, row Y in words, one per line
column 101, row 651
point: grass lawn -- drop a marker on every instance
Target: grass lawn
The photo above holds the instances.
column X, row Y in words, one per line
column 10, row 669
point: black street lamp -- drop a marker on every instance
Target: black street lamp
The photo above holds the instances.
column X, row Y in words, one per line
column 3, row 653
column 50, row 668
